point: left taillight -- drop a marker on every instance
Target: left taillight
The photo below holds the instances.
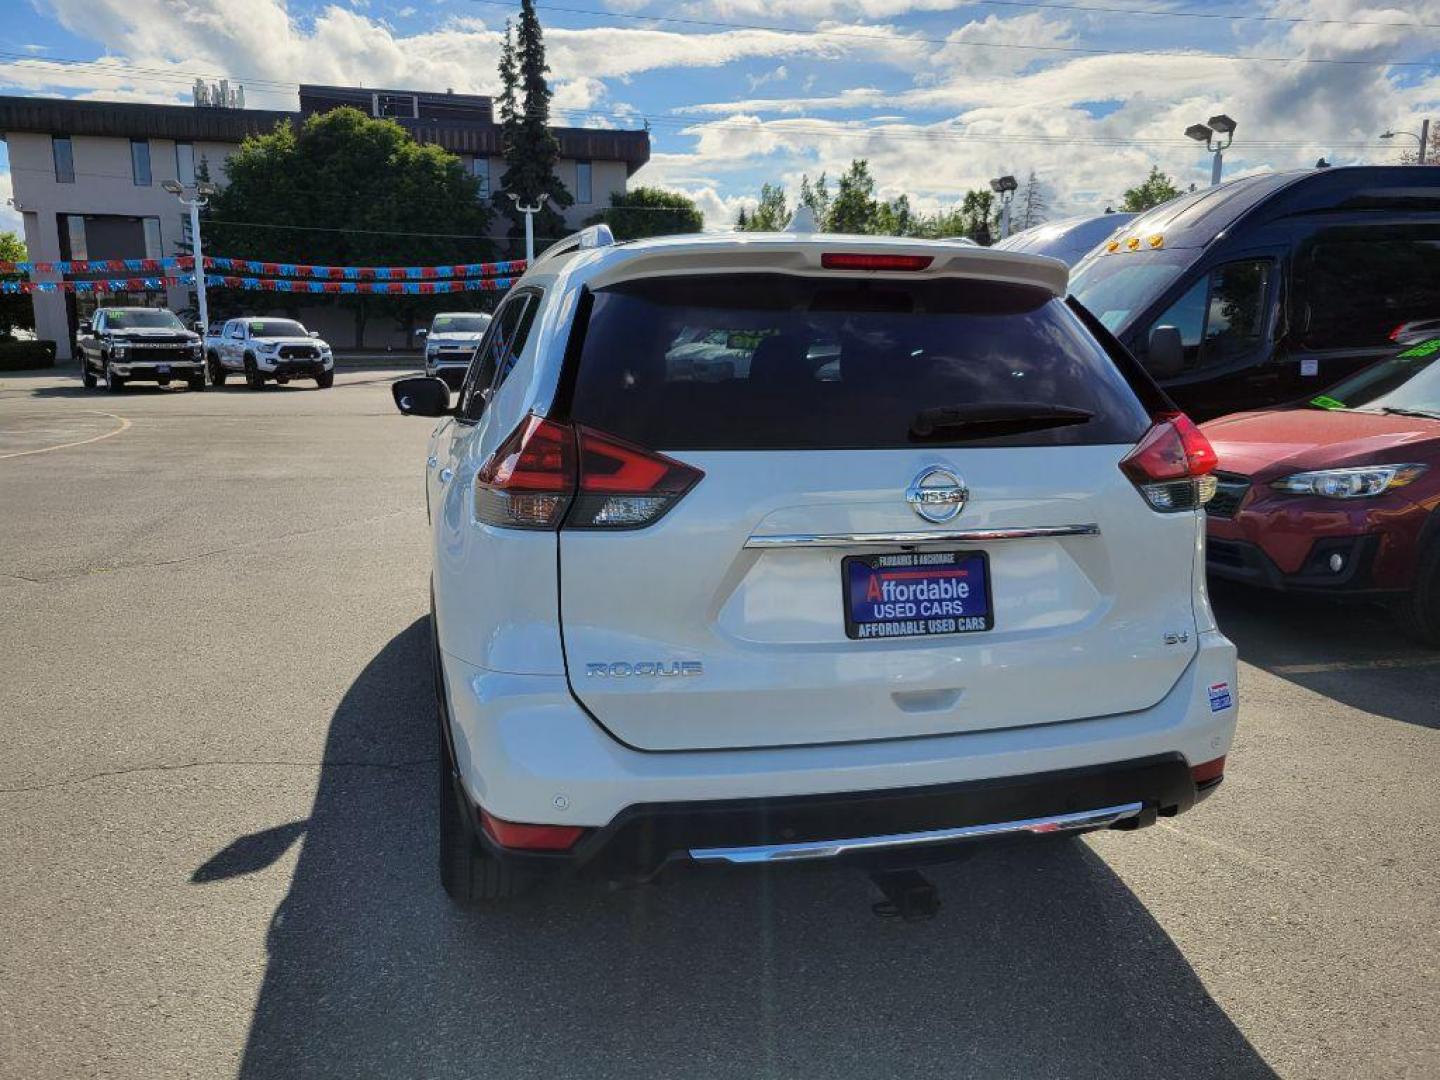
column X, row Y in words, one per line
column 547, row 474
column 530, row 479
column 1172, row 465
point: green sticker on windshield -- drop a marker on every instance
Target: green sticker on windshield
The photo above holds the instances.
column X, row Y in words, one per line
column 1424, row 349
column 1323, row 402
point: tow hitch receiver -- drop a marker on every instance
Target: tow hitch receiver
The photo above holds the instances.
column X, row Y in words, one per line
column 909, row 895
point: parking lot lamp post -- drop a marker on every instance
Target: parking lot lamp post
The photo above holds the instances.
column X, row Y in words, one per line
column 202, row 191
column 1004, row 186
column 529, row 210
column 1219, row 126
column 1423, row 137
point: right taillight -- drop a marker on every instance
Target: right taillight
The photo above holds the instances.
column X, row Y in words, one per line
column 623, row 486
column 548, row 473
column 1172, row 465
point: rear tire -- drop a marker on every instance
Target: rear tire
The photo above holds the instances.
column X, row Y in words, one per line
column 87, row 377
column 196, row 382
column 468, row 873
column 1419, row 612
column 217, row 372
column 325, row 380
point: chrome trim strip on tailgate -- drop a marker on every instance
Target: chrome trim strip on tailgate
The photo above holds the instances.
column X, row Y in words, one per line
column 829, row 849
column 947, row 536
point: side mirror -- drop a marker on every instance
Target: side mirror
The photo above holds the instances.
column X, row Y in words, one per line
column 84, row 326
column 313, row 333
column 1165, row 356
column 422, row 332
column 199, row 328
column 421, row 396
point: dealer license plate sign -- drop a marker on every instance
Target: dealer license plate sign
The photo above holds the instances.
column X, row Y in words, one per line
column 917, row 594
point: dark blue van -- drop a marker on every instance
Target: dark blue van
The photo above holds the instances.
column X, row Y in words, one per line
column 1267, row 288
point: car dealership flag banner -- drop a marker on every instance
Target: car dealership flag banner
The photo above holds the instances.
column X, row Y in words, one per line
column 366, row 273
column 272, row 269
column 98, row 285
column 97, row 266
column 388, row 288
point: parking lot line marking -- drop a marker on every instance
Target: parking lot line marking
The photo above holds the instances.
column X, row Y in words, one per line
column 80, row 442
column 1356, row 665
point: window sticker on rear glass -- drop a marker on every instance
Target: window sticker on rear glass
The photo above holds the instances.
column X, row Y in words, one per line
column 1424, row 349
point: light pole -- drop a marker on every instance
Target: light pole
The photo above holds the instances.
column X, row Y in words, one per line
column 1004, row 186
column 1219, row 125
column 202, row 192
column 1423, row 138
column 529, row 210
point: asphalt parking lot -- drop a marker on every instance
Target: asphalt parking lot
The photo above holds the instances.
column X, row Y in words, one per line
column 217, row 791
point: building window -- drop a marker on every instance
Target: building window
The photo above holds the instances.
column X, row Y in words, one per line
column 152, row 237
column 140, row 161
column 185, row 163
column 75, row 230
column 64, row 155
column 480, row 168
column 583, row 193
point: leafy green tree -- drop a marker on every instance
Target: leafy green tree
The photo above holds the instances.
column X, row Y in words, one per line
column 854, row 209
column 17, row 310
column 1156, row 189
column 896, row 218
column 771, row 214
column 1033, row 206
column 816, row 197
column 530, row 147
column 348, row 189
column 649, row 211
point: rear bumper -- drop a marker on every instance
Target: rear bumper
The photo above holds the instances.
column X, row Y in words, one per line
column 888, row 827
column 526, row 752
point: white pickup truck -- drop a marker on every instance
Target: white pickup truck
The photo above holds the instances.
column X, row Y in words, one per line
column 265, row 348
column 450, row 342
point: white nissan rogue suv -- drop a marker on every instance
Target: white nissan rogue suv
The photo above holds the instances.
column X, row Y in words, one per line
column 921, row 562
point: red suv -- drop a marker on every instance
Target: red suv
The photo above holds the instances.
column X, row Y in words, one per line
column 1338, row 496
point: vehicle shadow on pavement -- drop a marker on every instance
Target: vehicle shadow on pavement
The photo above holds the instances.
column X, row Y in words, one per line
column 1041, row 963
column 1352, row 653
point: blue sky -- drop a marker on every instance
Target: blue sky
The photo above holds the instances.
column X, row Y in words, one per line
column 939, row 95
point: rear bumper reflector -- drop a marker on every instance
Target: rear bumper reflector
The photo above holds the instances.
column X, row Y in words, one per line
column 518, row 836
column 942, row 536
column 829, row 849
column 1207, row 771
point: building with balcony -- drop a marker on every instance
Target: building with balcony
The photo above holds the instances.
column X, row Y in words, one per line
column 86, row 177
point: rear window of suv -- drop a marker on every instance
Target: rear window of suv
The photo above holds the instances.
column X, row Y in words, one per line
column 761, row 361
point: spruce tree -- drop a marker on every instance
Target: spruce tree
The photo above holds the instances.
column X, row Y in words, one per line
column 531, row 149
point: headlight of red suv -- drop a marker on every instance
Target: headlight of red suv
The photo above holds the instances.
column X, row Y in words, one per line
column 1357, row 482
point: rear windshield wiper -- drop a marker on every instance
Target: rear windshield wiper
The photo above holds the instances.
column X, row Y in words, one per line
column 996, row 418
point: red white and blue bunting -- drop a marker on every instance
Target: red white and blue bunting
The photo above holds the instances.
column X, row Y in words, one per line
column 99, row 285
column 366, row 273
column 390, row 288
column 98, row 266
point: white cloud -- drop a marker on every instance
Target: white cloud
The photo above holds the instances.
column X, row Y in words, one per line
column 780, row 74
